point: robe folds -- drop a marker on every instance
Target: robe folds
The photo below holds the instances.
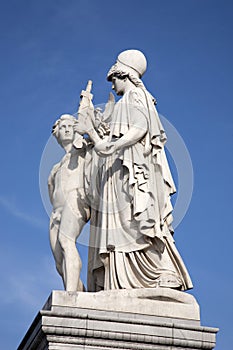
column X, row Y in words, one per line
column 131, row 237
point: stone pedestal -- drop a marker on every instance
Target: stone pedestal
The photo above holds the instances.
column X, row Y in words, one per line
column 142, row 319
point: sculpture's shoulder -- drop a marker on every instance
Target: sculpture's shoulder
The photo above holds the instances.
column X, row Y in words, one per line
column 141, row 97
column 136, row 97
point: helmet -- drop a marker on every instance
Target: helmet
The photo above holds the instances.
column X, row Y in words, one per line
column 134, row 59
column 129, row 62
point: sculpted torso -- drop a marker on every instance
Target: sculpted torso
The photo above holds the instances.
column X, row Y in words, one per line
column 67, row 177
column 70, row 211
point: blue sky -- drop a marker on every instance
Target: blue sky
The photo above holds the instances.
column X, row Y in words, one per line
column 49, row 49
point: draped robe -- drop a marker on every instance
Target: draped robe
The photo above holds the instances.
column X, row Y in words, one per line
column 131, row 239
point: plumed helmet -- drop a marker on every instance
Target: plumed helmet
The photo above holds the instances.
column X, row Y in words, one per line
column 129, row 61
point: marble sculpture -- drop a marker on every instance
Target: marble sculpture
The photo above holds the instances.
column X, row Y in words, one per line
column 115, row 173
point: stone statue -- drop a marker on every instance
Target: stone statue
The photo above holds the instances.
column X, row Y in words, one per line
column 131, row 244
column 117, row 175
column 70, row 209
column 122, row 182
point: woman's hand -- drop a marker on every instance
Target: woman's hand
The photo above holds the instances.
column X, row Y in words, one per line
column 105, row 149
column 84, row 123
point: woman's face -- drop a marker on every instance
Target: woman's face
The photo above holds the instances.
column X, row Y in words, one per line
column 118, row 85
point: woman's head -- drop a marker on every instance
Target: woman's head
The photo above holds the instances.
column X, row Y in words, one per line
column 130, row 65
column 129, row 62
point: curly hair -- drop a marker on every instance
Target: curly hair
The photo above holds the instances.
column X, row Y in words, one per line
column 55, row 128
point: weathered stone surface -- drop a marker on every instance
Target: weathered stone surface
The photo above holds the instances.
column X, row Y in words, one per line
column 163, row 302
column 63, row 324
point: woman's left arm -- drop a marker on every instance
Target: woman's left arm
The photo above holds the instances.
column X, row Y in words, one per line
column 137, row 129
column 135, row 133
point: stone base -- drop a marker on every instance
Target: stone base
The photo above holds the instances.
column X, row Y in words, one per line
column 142, row 319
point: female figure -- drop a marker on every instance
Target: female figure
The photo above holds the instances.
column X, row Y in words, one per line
column 131, row 233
